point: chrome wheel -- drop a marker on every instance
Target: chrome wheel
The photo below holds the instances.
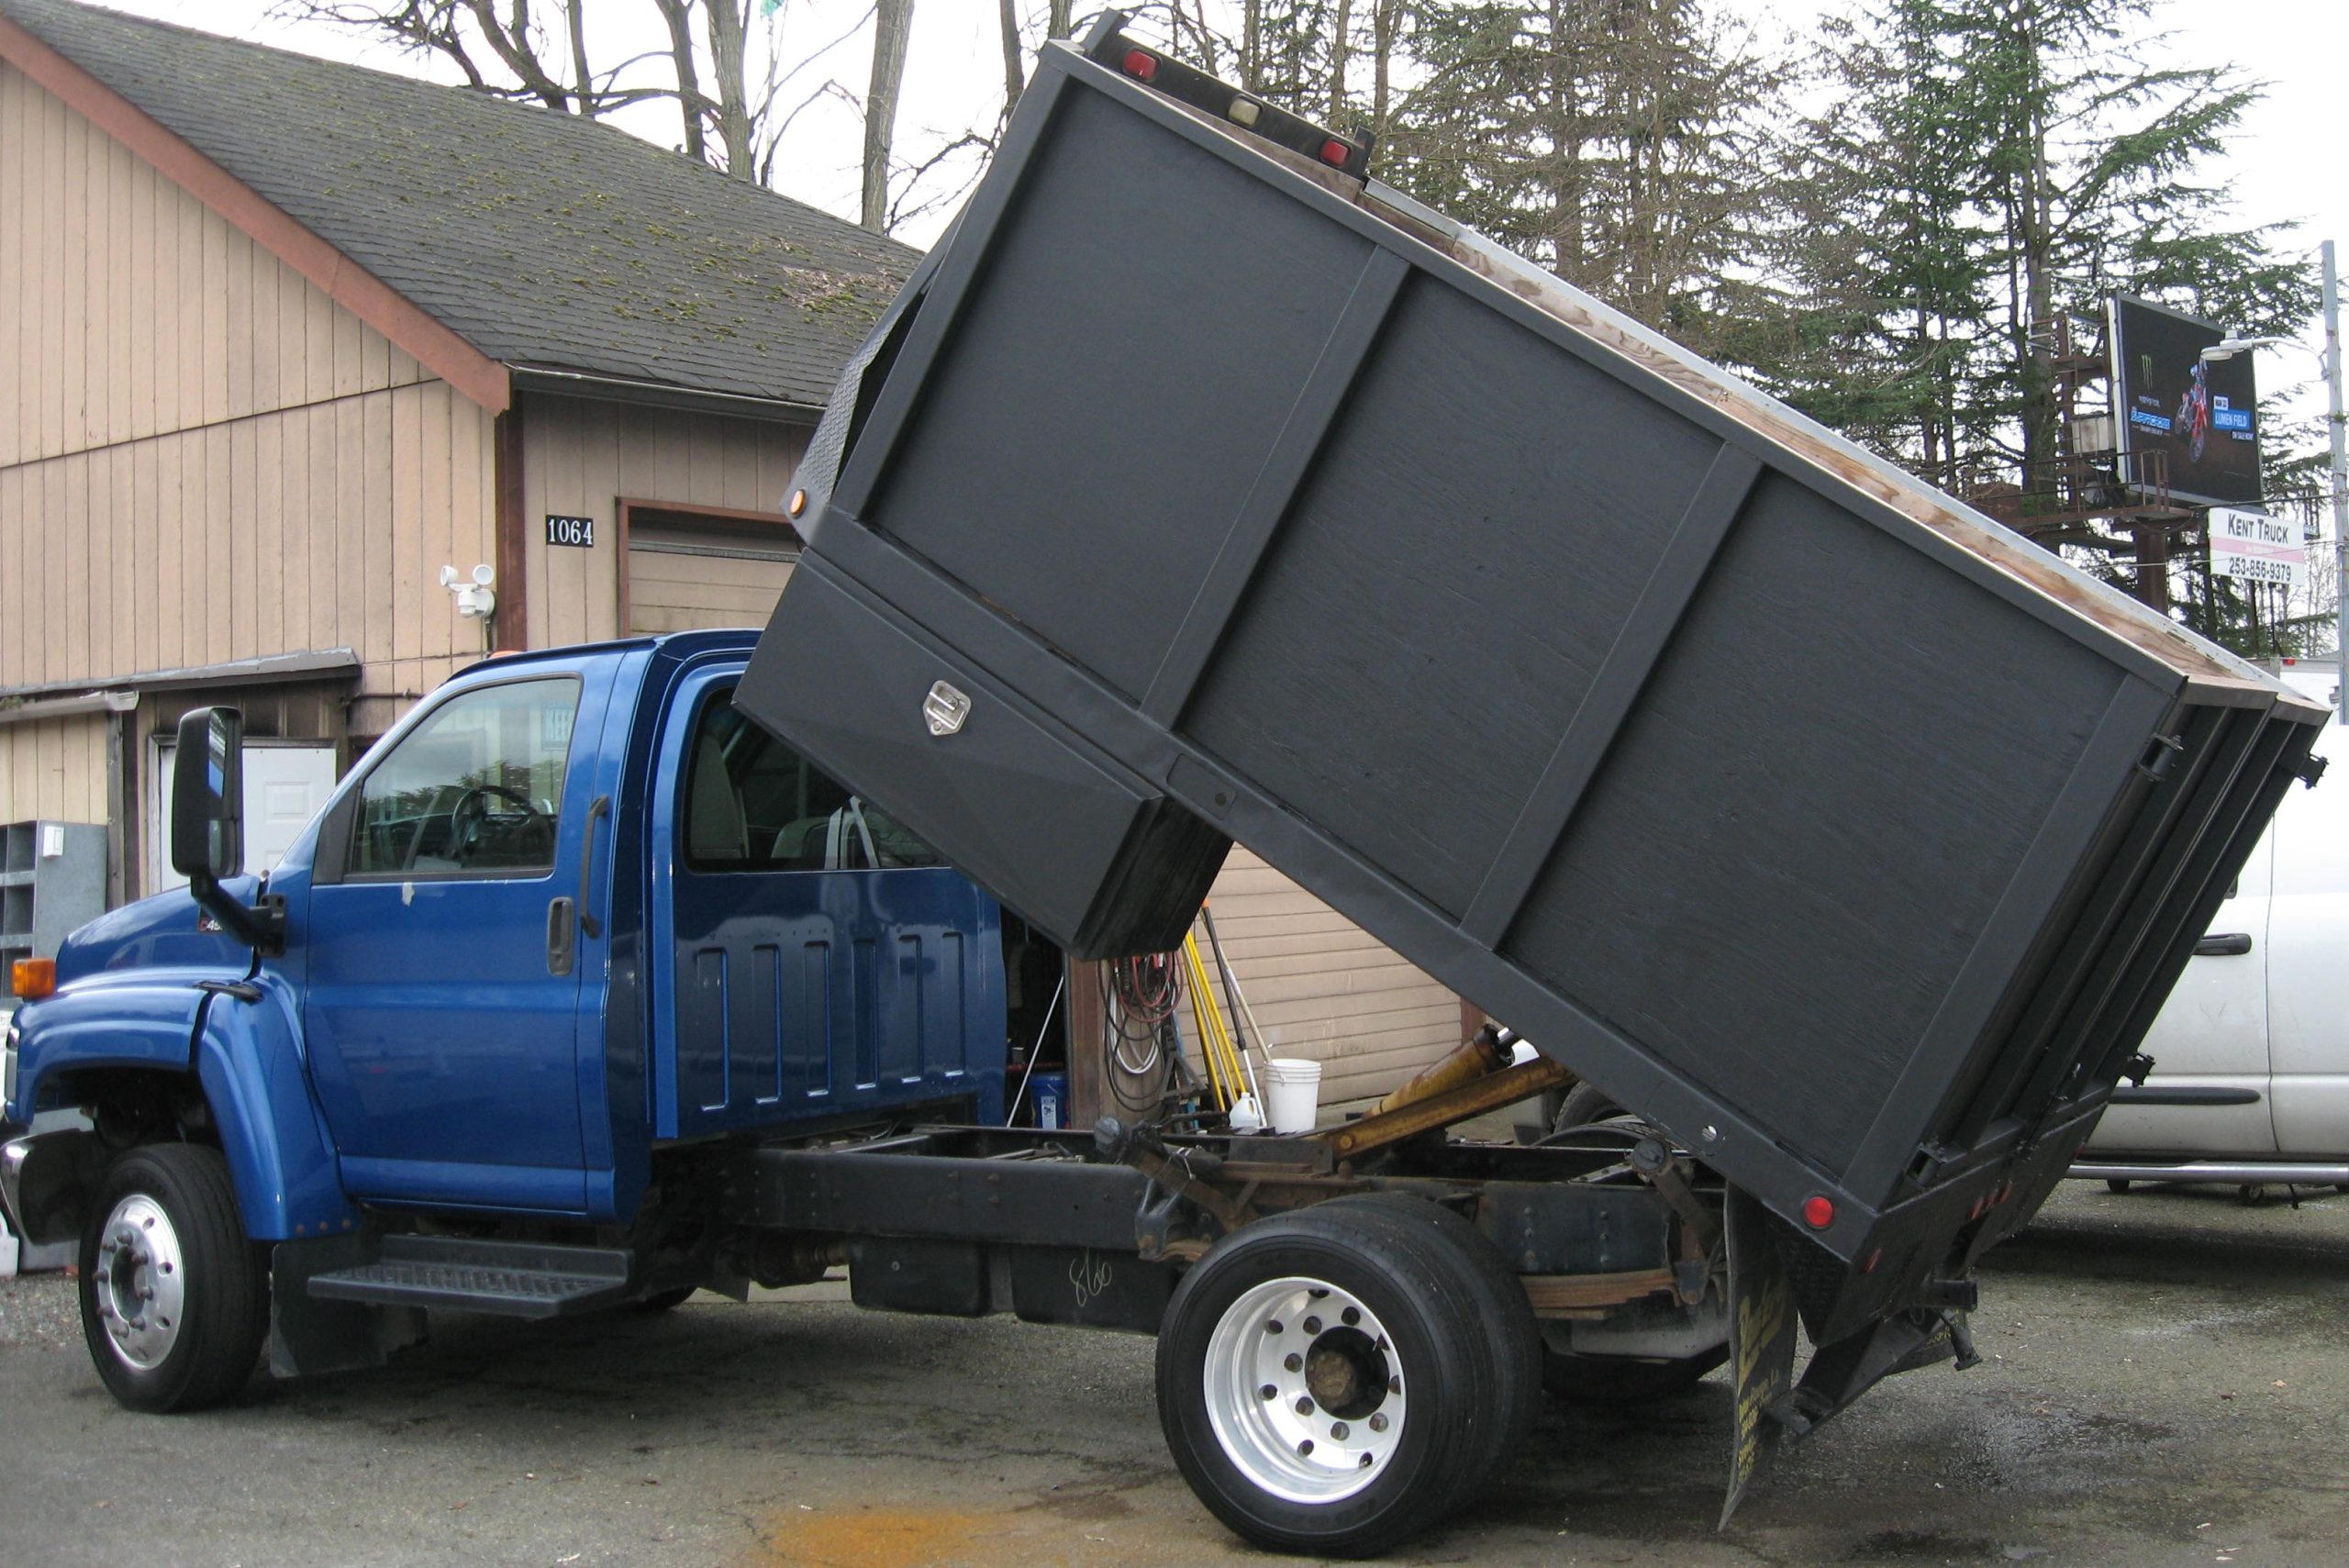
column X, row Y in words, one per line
column 141, row 1281
column 1303, row 1390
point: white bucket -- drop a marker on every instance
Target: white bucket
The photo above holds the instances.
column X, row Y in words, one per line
column 1292, row 1094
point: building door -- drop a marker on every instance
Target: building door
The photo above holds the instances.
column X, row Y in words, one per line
column 689, row 569
column 286, row 784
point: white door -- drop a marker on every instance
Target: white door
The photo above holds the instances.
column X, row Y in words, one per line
column 286, row 784
column 2308, row 983
column 2212, row 1034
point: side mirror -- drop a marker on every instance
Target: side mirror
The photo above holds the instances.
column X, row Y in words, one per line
column 208, row 795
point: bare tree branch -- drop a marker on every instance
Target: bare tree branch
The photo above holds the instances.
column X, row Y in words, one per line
column 892, row 21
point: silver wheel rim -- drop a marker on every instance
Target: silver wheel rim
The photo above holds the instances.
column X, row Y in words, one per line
column 140, row 1281
column 1304, row 1390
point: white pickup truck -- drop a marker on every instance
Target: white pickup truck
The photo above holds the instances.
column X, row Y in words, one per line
column 2251, row 1054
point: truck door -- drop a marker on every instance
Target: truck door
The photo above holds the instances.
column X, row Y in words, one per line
column 445, row 1037
column 2211, row 1039
column 2308, row 983
column 810, row 957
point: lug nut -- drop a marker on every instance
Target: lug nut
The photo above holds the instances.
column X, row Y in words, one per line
column 1365, row 1462
column 1273, row 1327
column 1305, row 1405
column 1351, row 1316
column 1294, row 1361
column 1313, row 1325
column 1338, row 1430
column 1306, row 1447
column 1394, row 1385
column 1378, row 1421
column 1269, row 1392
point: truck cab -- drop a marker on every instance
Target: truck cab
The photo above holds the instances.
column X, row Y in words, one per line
column 572, row 920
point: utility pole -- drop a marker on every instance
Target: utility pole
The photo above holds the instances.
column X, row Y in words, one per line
column 2340, row 485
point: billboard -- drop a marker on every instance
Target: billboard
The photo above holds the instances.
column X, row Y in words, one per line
column 2202, row 416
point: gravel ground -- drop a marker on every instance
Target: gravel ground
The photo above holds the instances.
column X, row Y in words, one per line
column 2167, row 1382
column 37, row 1312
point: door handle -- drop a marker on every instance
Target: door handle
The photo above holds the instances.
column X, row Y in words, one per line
column 560, row 944
column 2226, row 944
column 588, row 923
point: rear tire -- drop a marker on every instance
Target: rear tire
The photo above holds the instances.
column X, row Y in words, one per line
column 174, row 1299
column 2116, row 1183
column 1393, row 1405
column 1585, row 1104
column 663, row 1301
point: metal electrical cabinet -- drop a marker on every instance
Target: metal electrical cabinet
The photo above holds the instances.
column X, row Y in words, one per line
column 52, row 878
column 1194, row 492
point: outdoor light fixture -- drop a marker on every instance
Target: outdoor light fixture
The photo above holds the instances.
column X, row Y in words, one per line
column 474, row 600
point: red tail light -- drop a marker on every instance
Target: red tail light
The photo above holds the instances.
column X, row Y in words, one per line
column 1141, row 64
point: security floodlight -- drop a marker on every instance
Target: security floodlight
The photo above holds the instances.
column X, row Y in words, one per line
column 474, row 600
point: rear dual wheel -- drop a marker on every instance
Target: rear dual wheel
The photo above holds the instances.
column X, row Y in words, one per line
column 1335, row 1380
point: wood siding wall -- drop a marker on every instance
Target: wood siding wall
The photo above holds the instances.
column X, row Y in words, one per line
column 202, row 456
column 54, row 768
column 581, row 457
column 1325, row 989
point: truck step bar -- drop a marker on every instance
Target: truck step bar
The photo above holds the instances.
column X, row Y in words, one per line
column 452, row 1273
column 2249, row 1173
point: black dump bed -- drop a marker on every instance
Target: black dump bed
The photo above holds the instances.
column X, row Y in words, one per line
column 1199, row 491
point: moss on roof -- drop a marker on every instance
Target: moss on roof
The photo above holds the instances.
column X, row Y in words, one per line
column 541, row 238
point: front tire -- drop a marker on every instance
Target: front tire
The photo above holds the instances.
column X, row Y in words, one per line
column 174, row 1300
column 1336, row 1380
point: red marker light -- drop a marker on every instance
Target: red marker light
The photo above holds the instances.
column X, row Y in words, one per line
column 1333, row 154
column 1141, row 64
column 1817, row 1211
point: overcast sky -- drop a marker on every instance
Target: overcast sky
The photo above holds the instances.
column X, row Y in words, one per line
column 2278, row 167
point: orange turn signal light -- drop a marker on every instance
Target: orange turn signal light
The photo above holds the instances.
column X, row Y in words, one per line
column 32, row 978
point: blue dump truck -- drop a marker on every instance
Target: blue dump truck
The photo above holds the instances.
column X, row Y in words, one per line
column 1200, row 489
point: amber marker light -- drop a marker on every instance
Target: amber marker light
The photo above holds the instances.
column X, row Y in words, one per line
column 33, row 978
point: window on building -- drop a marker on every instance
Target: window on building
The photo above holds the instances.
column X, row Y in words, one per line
column 752, row 803
column 475, row 789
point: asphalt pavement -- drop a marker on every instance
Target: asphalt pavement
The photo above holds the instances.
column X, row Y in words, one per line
column 2165, row 1382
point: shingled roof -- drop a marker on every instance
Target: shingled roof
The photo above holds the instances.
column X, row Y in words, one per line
column 544, row 240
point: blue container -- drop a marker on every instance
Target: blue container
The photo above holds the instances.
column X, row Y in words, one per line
column 1050, row 1092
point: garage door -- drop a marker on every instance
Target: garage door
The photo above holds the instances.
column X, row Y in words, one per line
column 687, row 572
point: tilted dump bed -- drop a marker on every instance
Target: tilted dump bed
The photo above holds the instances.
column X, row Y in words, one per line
column 1196, row 491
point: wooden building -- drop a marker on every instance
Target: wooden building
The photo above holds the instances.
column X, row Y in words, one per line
column 280, row 338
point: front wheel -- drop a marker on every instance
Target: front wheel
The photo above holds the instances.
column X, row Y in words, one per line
column 174, row 1300
column 1334, row 1381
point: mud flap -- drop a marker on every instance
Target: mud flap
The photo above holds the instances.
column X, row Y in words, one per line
column 1761, row 1342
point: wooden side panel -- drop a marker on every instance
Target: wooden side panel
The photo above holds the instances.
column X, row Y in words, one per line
column 202, row 456
column 54, row 768
column 1323, row 988
column 305, row 528
column 580, row 458
column 128, row 308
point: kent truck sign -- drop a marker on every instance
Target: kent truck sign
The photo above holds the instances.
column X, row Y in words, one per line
column 2252, row 547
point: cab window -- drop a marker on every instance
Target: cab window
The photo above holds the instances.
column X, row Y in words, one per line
column 474, row 790
column 752, row 803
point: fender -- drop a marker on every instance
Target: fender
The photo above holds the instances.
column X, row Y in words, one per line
column 134, row 1018
column 248, row 1058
